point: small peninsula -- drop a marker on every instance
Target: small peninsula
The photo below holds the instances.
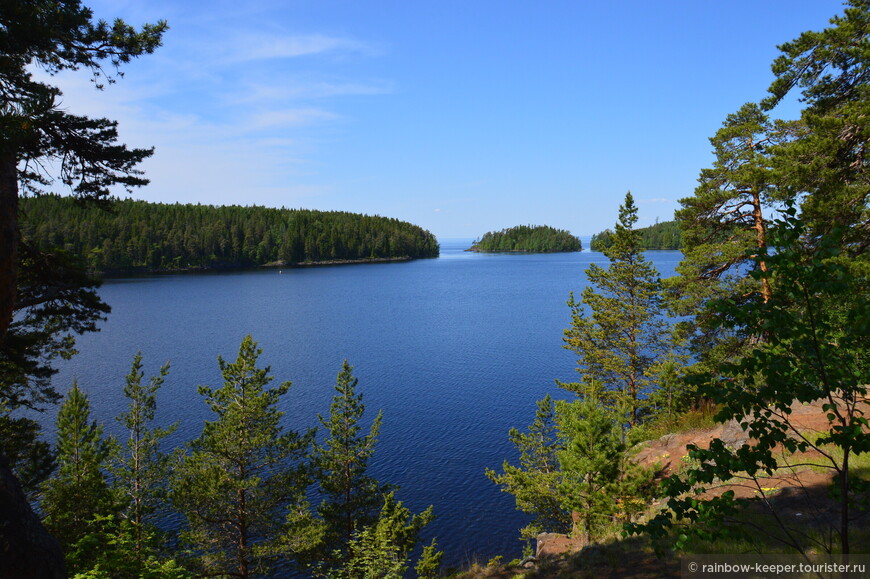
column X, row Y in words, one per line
column 140, row 237
column 529, row 239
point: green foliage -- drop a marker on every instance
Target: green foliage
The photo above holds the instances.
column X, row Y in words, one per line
column 623, row 337
column 79, row 493
column 591, row 463
column 55, row 301
column 381, row 551
column 816, row 332
column 817, row 162
column 30, row 458
column 115, row 546
column 790, row 324
column 528, row 238
column 535, row 483
column 242, row 487
column 136, row 235
column 351, row 498
column 574, row 465
column 664, row 235
column 429, row 564
column 39, row 140
column 140, row 469
column 824, row 164
column 574, row 459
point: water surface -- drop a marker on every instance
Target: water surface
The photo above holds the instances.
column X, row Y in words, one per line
column 454, row 350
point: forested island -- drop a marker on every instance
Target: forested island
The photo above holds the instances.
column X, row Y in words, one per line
column 765, row 326
column 664, row 235
column 528, row 238
column 131, row 235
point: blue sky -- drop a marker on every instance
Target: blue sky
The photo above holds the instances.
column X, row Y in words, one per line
column 459, row 116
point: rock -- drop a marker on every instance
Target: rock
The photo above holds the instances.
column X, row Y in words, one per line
column 26, row 548
column 557, row 544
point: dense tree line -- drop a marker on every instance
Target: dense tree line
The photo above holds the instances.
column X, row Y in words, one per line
column 137, row 235
column 663, row 235
column 529, row 238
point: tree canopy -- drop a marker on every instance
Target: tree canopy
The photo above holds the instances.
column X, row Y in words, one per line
column 137, row 235
column 664, row 235
column 528, row 238
column 40, row 141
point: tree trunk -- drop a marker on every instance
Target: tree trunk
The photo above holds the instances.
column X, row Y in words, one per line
column 760, row 241
column 8, row 239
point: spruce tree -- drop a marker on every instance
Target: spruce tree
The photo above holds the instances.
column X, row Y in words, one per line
column 79, row 493
column 622, row 336
column 351, row 498
column 242, row 487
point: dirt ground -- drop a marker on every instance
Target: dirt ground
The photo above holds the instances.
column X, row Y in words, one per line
column 798, row 495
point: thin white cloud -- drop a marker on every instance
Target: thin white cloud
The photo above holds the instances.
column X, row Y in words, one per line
column 655, row 200
column 304, row 89
column 258, row 47
column 289, row 118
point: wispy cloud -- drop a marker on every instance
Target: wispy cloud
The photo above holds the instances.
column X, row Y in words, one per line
column 290, row 118
column 248, row 47
column 655, row 200
column 297, row 89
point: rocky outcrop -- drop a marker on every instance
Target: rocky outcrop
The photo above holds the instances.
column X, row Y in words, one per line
column 26, row 548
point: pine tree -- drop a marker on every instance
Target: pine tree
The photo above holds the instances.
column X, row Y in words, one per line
column 242, row 487
column 535, row 483
column 79, row 493
column 351, row 498
column 592, row 462
column 824, row 163
column 381, row 551
column 624, row 336
column 39, row 138
column 141, row 469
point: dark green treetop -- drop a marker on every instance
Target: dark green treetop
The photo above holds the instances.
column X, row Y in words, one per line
column 664, row 235
column 242, row 487
column 617, row 328
column 528, row 238
column 79, row 492
column 351, row 498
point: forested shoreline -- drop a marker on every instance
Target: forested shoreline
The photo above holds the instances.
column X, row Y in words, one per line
column 527, row 238
column 767, row 313
column 664, row 235
column 137, row 236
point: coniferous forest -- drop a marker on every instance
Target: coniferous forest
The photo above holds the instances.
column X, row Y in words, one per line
column 766, row 319
column 129, row 235
column 528, row 238
column 664, row 235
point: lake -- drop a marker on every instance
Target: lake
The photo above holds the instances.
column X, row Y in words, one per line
column 454, row 350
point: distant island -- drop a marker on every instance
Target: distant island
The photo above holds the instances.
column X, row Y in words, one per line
column 664, row 235
column 137, row 236
column 527, row 238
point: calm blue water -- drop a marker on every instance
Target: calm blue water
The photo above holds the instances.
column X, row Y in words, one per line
column 454, row 350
